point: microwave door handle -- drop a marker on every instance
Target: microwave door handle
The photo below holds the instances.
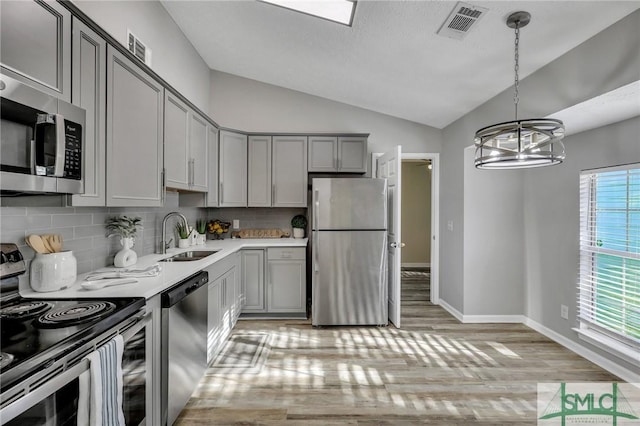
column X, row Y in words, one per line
column 60, row 146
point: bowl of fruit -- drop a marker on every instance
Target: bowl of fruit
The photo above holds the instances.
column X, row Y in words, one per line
column 218, row 228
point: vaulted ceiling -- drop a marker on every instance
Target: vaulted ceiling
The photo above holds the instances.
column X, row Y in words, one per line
column 390, row 60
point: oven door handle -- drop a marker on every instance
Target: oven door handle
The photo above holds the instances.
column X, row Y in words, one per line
column 29, row 400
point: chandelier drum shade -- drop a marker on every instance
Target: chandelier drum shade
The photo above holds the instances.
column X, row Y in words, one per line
column 534, row 142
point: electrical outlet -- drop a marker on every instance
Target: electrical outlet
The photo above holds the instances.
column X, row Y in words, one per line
column 236, row 224
column 564, row 311
column 450, row 225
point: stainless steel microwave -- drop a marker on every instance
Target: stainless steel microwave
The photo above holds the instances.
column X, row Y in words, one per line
column 41, row 141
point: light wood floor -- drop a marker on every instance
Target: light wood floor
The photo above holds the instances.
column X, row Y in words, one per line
column 434, row 370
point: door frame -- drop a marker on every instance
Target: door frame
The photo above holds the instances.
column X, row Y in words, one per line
column 435, row 213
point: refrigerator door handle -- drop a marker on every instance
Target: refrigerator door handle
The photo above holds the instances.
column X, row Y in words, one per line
column 316, row 234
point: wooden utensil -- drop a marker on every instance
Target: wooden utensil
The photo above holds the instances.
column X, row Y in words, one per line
column 36, row 243
column 45, row 241
column 55, row 242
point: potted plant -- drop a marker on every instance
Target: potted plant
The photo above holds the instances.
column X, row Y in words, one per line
column 183, row 235
column 298, row 223
column 126, row 228
column 201, row 227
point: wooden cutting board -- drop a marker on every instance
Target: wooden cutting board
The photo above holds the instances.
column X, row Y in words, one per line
column 260, row 233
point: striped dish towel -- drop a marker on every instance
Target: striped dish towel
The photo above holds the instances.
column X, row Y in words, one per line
column 100, row 388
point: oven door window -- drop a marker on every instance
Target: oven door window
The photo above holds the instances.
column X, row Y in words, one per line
column 134, row 374
column 59, row 409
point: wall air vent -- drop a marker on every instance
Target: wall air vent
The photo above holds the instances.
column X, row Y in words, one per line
column 138, row 48
column 461, row 20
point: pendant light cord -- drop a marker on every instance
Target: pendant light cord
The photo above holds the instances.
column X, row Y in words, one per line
column 516, row 85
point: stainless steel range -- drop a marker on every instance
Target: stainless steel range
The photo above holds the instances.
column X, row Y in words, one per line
column 43, row 347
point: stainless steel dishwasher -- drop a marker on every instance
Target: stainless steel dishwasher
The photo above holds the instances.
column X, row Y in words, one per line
column 184, row 343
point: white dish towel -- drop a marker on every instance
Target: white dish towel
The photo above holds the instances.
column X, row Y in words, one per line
column 100, row 393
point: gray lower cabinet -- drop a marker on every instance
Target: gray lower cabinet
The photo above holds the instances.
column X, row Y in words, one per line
column 35, row 41
column 286, row 280
column 340, row 154
column 233, row 169
column 215, row 332
column 275, row 284
column 253, row 280
column 224, row 300
column 134, row 134
column 89, row 90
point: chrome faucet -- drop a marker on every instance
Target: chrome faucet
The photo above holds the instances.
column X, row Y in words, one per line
column 164, row 245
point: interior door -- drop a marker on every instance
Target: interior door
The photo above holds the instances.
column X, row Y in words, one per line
column 390, row 168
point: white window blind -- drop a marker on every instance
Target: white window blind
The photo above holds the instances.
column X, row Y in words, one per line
column 609, row 280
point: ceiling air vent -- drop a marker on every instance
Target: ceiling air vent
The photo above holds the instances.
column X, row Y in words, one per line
column 138, row 48
column 460, row 21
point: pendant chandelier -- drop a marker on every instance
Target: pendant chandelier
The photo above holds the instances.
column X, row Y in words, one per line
column 518, row 144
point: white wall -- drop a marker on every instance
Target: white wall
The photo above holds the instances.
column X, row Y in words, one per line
column 173, row 57
column 552, row 221
column 252, row 106
column 494, row 266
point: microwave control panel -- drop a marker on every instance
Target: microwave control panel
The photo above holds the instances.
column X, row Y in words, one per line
column 73, row 150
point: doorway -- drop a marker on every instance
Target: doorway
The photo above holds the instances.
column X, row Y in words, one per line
column 434, row 190
column 422, row 164
column 416, row 228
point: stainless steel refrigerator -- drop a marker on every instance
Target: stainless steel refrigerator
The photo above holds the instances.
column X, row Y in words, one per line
column 349, row 251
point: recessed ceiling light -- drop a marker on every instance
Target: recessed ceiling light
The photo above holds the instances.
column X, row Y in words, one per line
column 340, row 11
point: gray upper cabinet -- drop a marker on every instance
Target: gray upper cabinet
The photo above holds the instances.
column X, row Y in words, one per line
column 198, row 152
column 352, row 154
column 233, row 169
column 185, row 146
column 134, row 134
column 212, row 142
column 337, row 154
column 176, row 142
column 289, row 171
column 323, row 154
column 259, row 171
column 35, row 42
column 89, row 91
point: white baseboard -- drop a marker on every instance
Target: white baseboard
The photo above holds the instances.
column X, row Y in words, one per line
column 605, row 363
column 453, row 311
column 625, row 374
column 507, row 319
column 415, row 265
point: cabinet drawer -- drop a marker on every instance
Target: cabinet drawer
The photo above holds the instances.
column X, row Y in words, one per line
column 277, row 253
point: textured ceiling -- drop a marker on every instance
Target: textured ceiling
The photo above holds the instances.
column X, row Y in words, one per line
column 390, row 60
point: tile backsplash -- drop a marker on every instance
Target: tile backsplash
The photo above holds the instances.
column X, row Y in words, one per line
column 83, row 228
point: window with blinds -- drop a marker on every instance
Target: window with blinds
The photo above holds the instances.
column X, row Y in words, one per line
column 609, row 281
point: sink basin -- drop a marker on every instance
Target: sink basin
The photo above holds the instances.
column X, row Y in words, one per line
column 189, row 256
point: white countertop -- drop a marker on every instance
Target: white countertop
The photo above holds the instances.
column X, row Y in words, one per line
column 171, row 273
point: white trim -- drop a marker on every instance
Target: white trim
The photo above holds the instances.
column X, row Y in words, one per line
column 453, row 311
column 625, row 374
column 480, row 319
column 613, row 346
column 416, row 265
column 435, row 216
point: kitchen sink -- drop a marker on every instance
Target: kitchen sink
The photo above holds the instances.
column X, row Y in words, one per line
column 189, row 256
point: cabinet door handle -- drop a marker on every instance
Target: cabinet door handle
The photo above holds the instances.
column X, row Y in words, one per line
column 273, row 194
column 191, row 174
column 221, row 194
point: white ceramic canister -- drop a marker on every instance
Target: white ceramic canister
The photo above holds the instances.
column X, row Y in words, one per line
column 53, row 271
